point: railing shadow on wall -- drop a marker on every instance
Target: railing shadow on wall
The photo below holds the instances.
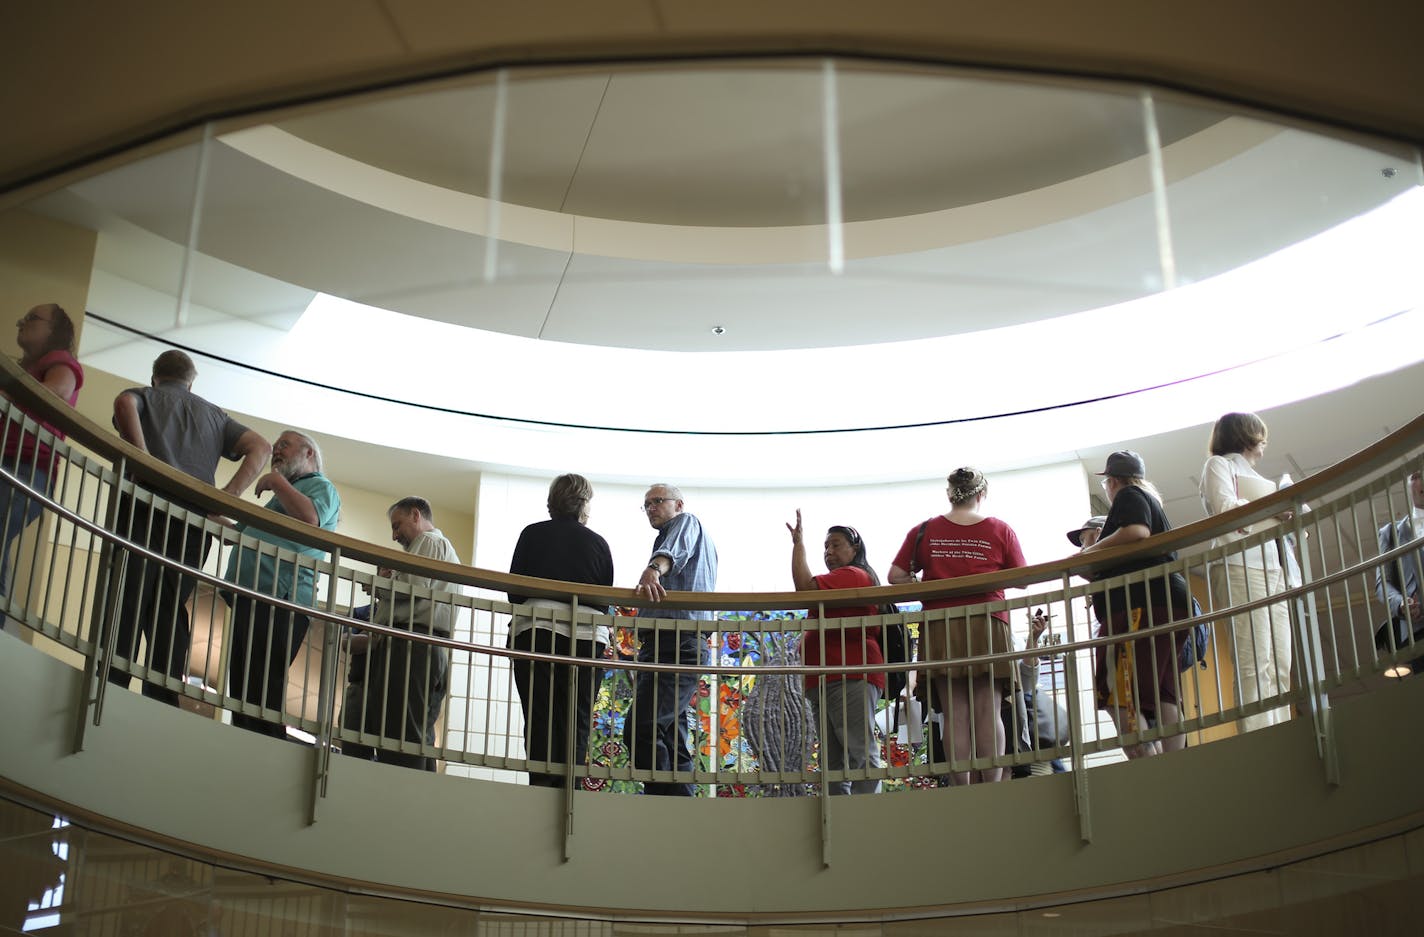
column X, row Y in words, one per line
column 743, row 740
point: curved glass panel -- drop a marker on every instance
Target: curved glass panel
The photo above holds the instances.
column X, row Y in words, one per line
column 723, row 236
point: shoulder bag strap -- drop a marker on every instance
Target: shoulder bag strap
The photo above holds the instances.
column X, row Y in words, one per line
column 915, row 565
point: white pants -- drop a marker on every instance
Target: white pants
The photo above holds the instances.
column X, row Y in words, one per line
column 1260, row 640
column 848, row 741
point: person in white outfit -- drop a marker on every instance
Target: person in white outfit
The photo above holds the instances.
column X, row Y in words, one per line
column 1261, row 638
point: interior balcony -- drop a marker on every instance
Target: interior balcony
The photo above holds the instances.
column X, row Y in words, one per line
column 786, row 284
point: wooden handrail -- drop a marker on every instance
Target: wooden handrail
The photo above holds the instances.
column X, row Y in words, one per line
column 34, row 398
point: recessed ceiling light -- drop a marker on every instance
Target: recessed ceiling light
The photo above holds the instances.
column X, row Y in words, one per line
column 718, row 330
column 1399, row 671
column 1051, row 914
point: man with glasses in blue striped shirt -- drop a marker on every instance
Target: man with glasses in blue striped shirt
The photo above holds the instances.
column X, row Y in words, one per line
column 684, row 559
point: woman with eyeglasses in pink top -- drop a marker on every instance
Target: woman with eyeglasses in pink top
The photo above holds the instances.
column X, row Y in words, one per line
column 46, row 339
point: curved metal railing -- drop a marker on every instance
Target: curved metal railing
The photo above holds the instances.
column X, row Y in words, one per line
column 750, row 725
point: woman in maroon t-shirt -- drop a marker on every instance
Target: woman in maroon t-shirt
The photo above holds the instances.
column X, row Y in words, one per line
column 46, row 340
column 964, row 542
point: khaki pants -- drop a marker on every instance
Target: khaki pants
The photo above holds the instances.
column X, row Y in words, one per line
column 1260, row 639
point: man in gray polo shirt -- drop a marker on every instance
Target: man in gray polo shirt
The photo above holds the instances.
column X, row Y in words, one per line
column 173, row 424
column 406, row 682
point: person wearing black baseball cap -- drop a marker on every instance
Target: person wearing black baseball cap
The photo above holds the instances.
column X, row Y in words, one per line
column 1139, row 677
column 1088, row 534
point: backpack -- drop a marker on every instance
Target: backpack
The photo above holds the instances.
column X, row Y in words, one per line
column 896, row 648
column 1194, row 647
column 896, row 638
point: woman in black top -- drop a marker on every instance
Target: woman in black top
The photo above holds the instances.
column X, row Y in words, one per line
column 560, row 548
column 1138, row 677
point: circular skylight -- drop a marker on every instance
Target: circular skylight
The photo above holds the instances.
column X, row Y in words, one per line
column 655, row 259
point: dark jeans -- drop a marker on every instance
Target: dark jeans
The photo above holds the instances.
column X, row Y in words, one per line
column 1017, row 729
column 154, row 603
column 353, row 698
column 544, row 696
column 656, row 730
column 407, row 683
column 19, row 512
column 265, row 641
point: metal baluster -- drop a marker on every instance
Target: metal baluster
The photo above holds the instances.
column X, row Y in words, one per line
column 104, row 634
column 570, row 715
column 327, row 688
column 825, row 786
column 1081, row 801
column 1307, row 627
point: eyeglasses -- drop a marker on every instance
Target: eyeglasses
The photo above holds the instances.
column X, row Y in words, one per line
column 654, row 502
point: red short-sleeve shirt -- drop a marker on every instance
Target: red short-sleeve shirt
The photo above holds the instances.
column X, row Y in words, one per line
column 844, row 645
column 950, row 550
column 26, row 445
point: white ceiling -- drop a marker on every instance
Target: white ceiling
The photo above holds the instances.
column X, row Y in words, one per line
column 742, row 145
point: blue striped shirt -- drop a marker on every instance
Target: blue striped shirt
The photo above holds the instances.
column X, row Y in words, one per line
column 694, row 563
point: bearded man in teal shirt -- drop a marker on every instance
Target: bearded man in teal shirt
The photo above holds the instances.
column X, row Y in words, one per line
column 265, row 637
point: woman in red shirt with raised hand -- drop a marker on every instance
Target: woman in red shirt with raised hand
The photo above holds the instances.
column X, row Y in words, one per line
column 848, row 700
column 964, row 542
column 46, row 339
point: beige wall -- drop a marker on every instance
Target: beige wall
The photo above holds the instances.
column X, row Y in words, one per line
column 42, row 261
column 1200, row 687
column 400, row 830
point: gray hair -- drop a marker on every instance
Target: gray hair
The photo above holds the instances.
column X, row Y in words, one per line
column 673, row 491
column 413, row 503
column 311, row 444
